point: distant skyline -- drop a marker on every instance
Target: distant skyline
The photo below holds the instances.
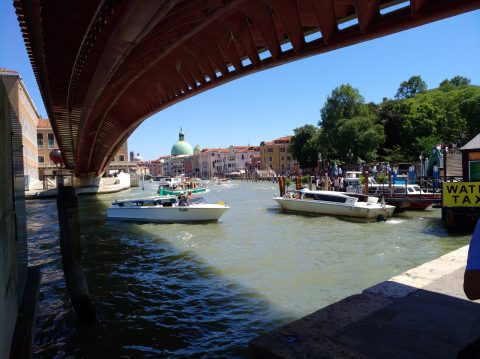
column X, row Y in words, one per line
column 272, row 103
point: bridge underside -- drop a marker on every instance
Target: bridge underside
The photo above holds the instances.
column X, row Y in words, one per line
column 105, row 66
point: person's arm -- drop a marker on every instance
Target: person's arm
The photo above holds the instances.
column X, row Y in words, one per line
column 471, row 279
column 471, row 284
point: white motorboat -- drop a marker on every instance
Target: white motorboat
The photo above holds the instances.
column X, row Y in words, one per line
column 167, row 210
column 335, row 203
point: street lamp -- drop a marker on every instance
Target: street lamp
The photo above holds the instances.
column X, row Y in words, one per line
column 319, row 161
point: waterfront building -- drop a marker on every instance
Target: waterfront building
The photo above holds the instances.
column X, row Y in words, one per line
column 177, row 165
column 120, row 161
column 213, row 162
column 154, row 168
column 166, row 164
column 275, row 155
column 253, row 166
column 238, row 157
column 192, row 163
column 46, row 142
column 24, row 118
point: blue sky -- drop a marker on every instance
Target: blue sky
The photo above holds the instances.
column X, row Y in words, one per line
column 271, row 103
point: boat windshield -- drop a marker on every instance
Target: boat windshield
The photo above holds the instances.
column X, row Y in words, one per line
column 325, row 197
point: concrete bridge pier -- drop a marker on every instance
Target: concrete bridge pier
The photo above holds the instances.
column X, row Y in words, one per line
column 88, row 180
column 67, row 206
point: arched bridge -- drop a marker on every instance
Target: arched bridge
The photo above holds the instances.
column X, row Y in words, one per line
column 103, row 66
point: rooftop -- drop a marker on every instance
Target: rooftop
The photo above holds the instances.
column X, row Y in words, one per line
column 473, row 144
column 7, row 72
column 44, row 123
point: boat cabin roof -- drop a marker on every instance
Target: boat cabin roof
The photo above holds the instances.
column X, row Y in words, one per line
column 326, row 196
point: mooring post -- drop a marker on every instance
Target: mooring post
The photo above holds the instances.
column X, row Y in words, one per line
column 281, row 185
column 67, row 201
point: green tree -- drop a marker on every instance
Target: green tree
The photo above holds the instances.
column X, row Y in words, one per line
column 362, row 136
column 344, row 102
column 470, row 111
column 455, row 81
column 391, row 115
column 303, row 146
column 413, row 86
column 394, row 154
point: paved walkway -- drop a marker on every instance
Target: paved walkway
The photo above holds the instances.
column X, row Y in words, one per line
column 422, row 313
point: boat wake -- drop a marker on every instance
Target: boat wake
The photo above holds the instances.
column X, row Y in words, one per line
column 395, row 221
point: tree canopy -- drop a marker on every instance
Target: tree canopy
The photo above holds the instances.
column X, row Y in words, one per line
column 344, row 102
column 303, row 146
column 395, row 129
column 413, row 86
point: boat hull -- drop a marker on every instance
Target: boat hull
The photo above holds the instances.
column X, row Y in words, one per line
column 364, row 210
column 177, row 214
column 169, row 192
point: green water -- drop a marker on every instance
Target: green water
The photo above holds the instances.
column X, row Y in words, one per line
column 205, row 290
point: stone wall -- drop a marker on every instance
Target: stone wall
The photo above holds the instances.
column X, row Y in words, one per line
column 9, row 289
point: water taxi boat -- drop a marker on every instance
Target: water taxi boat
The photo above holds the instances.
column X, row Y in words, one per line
column 411, row 196
column 335, row 204
column 404, row 196
column 167, row 210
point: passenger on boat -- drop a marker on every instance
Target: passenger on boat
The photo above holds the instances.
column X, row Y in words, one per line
column 471, row 281
column 182, row 201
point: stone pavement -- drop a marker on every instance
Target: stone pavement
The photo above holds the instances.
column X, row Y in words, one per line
column 422, row 313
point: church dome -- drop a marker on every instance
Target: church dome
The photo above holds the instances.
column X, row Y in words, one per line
column 181, row 147
column 197, row 149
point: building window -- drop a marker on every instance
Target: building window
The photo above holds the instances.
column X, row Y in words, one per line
column 121, row 158
column 288, row 158
column 51, row 140
column 282, row 149
column 270, row 150
column 41, row 159
column 40, row 140
column 283, row 158
column 270, row 159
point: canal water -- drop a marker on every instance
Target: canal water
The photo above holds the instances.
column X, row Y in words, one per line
column 205, row 290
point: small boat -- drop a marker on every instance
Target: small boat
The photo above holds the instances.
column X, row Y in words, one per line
column 177, row 192
column 167, row 209
column 411, row 196
column 335, row 204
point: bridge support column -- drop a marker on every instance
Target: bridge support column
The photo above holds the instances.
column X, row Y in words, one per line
column 89, row 180
column 67, row 201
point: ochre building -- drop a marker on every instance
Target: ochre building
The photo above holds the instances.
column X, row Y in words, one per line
column 275, row 155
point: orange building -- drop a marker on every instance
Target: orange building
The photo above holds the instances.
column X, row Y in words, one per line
column 276, row 156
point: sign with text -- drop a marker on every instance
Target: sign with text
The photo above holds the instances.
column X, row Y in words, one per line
column 461, row 194
column 472, row 156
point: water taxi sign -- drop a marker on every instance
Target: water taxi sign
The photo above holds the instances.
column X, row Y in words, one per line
column 461, row 194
